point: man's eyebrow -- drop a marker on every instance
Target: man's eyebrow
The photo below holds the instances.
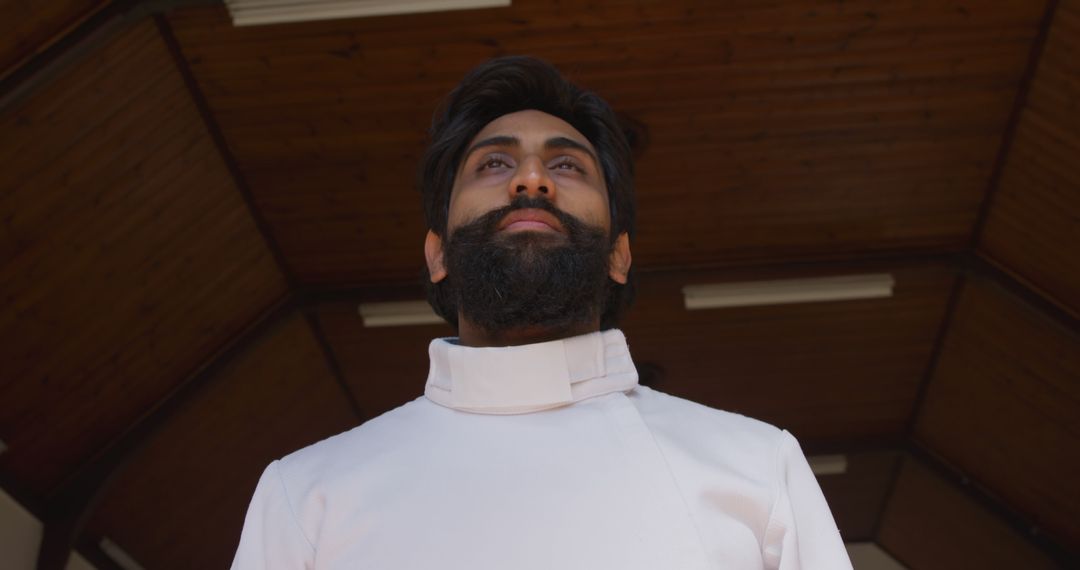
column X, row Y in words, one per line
column 500, row 140
column 564, row 142
column 552, row 143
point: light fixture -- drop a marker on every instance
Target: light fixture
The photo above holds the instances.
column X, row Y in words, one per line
column 750, row 293
column 827, row 464
column 255, row 12
column 398, row 313
column 118, row 555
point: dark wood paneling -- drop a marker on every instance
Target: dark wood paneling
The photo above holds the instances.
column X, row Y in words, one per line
column 828, row 372
column 778, row 131
column 858, row 496
column 384, row 367
column 126, row 255
column 29, row 26
column 928, row 524
column 199, row 472
column 1032, row 227
column 1004, row 407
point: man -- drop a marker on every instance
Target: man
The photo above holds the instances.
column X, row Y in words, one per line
column 534, row 447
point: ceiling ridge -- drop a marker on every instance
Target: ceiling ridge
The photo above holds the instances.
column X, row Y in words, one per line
column 1027, row 80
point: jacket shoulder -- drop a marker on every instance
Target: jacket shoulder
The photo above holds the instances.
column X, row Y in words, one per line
column 370, row 442
column 711, row 435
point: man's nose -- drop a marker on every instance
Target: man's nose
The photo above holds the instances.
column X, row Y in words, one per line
column 533, row 179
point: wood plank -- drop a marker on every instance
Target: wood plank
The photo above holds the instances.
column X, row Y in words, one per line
column 384, row 367
column 1004, row 407
column 126, row 255
column 832, row 372
column 780, row 131
column 1032, row 226
column 30, row 26
column 857, row 497
column 929, row 524
column 199, row 472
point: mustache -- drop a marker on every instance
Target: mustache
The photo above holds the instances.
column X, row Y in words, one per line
column 488, row 223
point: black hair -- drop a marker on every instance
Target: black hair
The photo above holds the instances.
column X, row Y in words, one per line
column 507, row 85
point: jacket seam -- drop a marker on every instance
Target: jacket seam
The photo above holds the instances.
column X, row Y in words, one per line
column 778, row 475
column 289, row 504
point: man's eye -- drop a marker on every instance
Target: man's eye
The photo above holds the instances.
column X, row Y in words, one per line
column 492, row 162
column 567, row 164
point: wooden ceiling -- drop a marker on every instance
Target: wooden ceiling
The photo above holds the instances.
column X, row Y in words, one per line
column 127, row 255
column 279, row 394
column 191, row 213
column 1016, row 376
column 1031, row 228
column 776, row 131
column 30, row 27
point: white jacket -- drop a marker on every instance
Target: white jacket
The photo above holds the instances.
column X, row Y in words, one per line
column 545, row 456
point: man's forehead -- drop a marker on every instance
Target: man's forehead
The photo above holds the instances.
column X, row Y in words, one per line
column 530, row 123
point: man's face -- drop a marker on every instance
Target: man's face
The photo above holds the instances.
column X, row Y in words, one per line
column 528, row 232
column 531, row 153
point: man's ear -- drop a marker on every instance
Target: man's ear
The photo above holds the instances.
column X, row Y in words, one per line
column 433, row 252
column 619, row 262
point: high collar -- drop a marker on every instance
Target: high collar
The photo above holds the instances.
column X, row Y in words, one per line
column 531, row 377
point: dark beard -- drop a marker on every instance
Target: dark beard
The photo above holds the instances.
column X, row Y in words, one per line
column 505, row 281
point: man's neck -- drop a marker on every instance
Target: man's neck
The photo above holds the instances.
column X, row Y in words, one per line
column 471, row 335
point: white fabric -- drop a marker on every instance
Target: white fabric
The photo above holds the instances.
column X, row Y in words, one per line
column 545, row 375
column 546, row 456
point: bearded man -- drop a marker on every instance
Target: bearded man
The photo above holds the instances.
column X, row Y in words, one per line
column 533, row 446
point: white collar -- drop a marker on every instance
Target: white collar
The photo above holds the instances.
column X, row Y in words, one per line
column 531, row 377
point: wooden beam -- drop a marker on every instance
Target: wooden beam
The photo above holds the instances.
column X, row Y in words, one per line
column 263, row 226
column 1026, row 81
column 223, row 149
column 90, row 549
column 40, row 69
column 928, row 375
column 68, row 509
column 1023, row 526
column 79, row 43
column 25, row 497
column 935, row 355
column 332, row 362
column 980, row 267
column 971, row 265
